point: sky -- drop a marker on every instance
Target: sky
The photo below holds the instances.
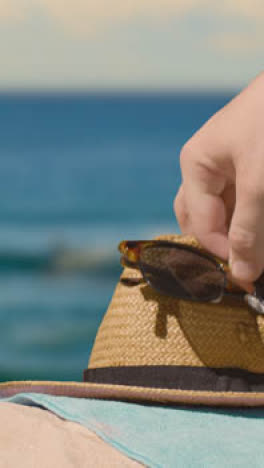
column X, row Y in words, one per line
column 130, row 44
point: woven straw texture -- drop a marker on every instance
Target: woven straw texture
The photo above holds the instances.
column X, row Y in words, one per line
column 142, row 327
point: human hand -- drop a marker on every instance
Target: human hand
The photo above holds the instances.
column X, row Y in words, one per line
column 221, row 199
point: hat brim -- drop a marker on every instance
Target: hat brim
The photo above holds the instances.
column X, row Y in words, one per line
column 133, row 393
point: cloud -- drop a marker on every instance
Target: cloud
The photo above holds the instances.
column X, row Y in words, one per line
column 89, row 16
column 130, row 43
column 249, row 40
column 8, row 10
column 92, row 15
column 86, row 17
column 238, row 43
column 248, row 8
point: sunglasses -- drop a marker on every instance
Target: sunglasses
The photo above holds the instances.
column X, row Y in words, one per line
column 186, row 272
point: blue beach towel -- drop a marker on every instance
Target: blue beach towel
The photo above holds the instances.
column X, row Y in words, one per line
column 163, row 436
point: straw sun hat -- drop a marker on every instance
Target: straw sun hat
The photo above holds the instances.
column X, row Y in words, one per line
column 155, row 348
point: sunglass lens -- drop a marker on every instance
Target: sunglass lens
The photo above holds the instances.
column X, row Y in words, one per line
column 182, row 273
column 260, row 287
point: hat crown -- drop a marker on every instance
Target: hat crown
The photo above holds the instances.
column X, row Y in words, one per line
column 143, row 327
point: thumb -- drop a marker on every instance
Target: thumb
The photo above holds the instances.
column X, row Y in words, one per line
column 246, row 234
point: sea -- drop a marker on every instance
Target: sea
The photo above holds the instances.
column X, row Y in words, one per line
column 78, row 173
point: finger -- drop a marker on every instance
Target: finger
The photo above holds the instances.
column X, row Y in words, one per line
column 203, row 189
column 181, row 212
column 246, row 233
column 229, row 198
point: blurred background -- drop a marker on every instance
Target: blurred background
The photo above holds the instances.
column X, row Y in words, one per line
column 96, row 101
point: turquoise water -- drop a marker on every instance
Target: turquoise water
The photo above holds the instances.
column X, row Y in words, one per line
column 78, row 173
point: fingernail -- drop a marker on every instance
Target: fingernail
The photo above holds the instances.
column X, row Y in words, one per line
column 242, row 270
